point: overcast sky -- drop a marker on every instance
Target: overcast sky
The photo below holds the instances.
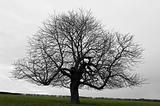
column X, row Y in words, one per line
column 20, row 19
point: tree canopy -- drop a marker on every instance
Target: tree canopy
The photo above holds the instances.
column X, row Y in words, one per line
column 74, row 50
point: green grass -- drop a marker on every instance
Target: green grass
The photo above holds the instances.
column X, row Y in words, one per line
column 22, row 100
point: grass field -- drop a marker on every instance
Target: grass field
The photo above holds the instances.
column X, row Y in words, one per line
column 22, row 100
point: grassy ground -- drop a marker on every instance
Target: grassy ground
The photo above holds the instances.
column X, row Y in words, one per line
column 21, row 100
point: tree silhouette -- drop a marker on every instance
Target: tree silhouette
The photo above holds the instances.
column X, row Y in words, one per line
column 74, row 50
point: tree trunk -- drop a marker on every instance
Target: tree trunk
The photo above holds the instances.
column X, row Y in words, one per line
column 74, row 94
column 74, row 88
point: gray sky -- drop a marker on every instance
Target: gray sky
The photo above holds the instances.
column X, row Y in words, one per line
column 19, row 19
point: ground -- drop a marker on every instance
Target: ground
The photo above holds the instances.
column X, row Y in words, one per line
column 26, row 100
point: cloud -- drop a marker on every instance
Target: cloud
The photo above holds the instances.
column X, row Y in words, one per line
column 21, row 18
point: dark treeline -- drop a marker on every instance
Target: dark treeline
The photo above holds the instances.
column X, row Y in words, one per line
column 11, row 93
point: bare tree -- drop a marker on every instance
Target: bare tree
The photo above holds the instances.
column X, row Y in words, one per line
column 74, row 50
